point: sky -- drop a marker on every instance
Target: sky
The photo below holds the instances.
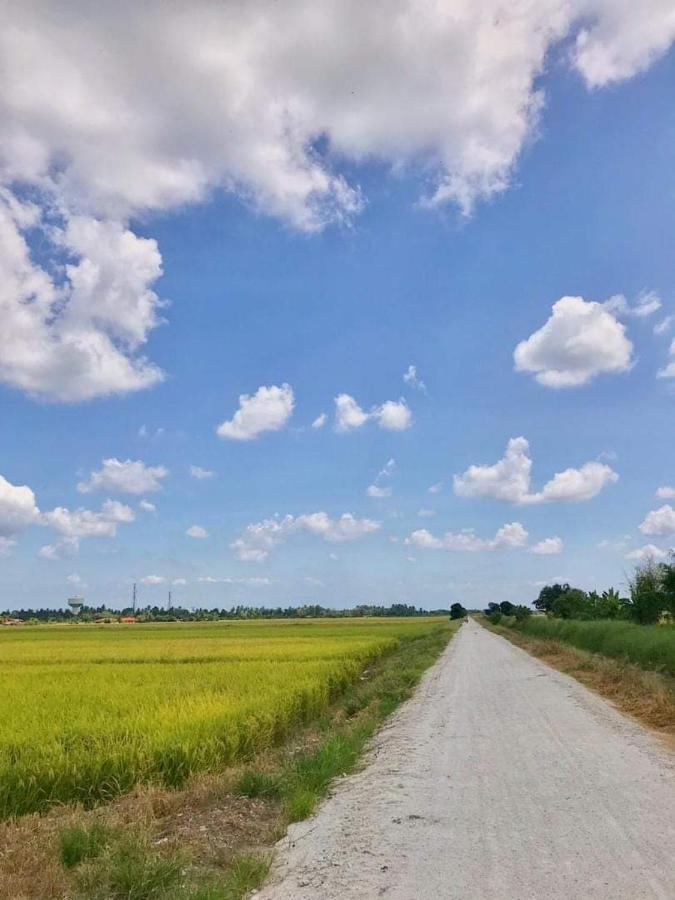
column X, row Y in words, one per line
column 334, row 303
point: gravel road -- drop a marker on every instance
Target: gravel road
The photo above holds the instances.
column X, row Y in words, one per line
column 500, row 779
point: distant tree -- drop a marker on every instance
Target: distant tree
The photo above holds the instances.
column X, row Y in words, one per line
column 649, row 592
column 571, row 604
column 548, row 594
column 521, row 613
column 507, row 608
column 457, row 611
column 491, row 609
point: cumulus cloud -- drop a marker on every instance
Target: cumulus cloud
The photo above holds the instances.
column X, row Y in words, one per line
column 236, row 97
column 259, row 538
column 18, row 509
column 548, row 547
column 377, row 489
column 267, row 410
column 668, row 371
column 412, row 378
column 320, row 421
column 197, row 531
column 200, row 474
column 509, row 537
column 665, row 492
column 73, row 525
column 153, row 579
column 128, row 477
column 663, row 326
column 246, row 582
column 659, row 521
column 649, row 551
column 393, row 415
column 581, row 340
column 509, row 479
column 146, row 506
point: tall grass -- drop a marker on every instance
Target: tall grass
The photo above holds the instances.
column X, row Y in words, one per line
column 87, row 712
column 648, row 646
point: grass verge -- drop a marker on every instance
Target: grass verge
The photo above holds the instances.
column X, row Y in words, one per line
column 211, row 839
column 648, row 696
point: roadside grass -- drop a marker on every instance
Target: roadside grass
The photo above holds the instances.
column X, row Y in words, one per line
column 648, row 646
column 646, row 695
column 211, row 838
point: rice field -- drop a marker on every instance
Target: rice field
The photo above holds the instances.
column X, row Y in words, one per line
column 89, row 711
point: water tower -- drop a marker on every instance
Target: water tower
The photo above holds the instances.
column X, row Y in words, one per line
column 75, row 604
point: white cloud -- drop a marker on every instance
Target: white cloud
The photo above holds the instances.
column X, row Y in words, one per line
column 18, row 508
column 580, row 341
column 179, row 582
column 664, row 325
column 669, row 370
column 647, row 303
column 146, row 506
column 82, row 523
column 77, row 337
column 128, row 477
column 426, row 513
column 153, row 579
column 200, row 474
column 320, row 421
column 412, row 378
column 392, row 415
column 509, row 479
column 649, row 551
column 548, row 546
column 267, row 410
column 160, row 105
column 313, row 582
column 196, row 531
column 259, row 538
column 75, row 581
column 659, row 521
column 615, row 46
column 436, row 488
column 378, row 492
column 348, row 414
column 666, row 492
column 376, row 489
column 508, row 537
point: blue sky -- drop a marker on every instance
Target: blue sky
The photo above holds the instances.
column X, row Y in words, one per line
column 258, row 295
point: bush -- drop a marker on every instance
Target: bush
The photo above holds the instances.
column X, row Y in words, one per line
column 457, row 611
column 80, row 843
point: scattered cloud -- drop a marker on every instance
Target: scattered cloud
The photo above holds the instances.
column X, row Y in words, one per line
column 267, row 410
column 548, row 547
column 259, row 538
column 179, row 582
column 314, row 582
column 649, row 551
column 196, row 531
column 426, row 513
column 320, row 421
column 374, row 490
column 153, row 579
column 509, row 479
column 664, row 325
column 412, row 378
column 659, row 521
column 128, row 477
column 646, row 304
column 508, row 537
column 393, row 415
column 436, row 488
column 200, row 474
column 146, row 506
column 666, row 492
column 668, row 371
column 581, row 340
column 6, row 545
column 164, row 141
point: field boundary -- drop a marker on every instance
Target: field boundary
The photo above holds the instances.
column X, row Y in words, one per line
column 647, row 696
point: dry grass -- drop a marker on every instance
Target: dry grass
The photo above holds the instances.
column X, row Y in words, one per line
column 648, row 696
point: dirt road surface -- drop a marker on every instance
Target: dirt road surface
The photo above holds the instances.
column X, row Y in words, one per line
column 500, row 779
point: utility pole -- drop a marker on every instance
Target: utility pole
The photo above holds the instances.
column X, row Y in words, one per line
column 133, row 600
column 169, row 600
